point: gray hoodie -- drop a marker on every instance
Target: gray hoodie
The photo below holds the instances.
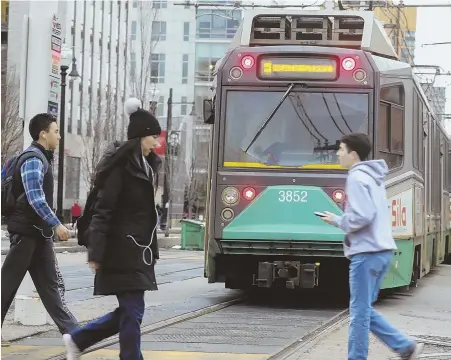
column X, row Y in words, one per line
column 366, row 219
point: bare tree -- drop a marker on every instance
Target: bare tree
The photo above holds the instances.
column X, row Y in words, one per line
column 12, row 124
column 148, row 34
column 100, row 133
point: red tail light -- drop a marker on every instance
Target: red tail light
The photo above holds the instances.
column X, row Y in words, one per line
column 338, row 196
column 249, row 193
column 348, row 64
column 247, row 62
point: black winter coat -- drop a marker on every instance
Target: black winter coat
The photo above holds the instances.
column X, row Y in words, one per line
column 122, row 236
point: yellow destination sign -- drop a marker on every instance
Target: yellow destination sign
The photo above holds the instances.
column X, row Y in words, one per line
column 269, row 67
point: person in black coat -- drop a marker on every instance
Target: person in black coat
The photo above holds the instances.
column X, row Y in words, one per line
column 121, row 238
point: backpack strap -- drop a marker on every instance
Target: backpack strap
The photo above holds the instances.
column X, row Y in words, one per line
column 28, row 154
column 31, row 153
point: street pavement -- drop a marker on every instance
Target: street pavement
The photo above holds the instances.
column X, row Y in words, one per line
column 423, row 312
column 176, row 269
column 247, row 331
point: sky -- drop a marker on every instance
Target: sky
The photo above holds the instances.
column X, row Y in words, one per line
column 434, row 25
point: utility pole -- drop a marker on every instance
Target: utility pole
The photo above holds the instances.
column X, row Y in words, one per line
column 166, row 199
column 398, row 25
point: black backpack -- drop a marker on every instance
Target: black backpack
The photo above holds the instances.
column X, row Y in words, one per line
column 10, row 171
column 84, row 220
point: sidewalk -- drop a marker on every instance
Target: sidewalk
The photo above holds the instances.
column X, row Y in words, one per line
column 423, row 312
column 175, row 292
column 72, row 246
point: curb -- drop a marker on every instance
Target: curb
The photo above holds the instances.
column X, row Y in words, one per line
column 73, row 247
column 60, row 249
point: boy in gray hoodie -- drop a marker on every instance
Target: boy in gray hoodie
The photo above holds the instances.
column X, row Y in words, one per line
column 369, row 245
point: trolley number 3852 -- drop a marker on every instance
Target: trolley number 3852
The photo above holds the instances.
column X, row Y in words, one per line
column 293, row 196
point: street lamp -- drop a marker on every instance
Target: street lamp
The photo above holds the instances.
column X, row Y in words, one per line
column 67, row 57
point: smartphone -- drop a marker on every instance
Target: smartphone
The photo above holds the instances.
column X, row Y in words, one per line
column 319, row 214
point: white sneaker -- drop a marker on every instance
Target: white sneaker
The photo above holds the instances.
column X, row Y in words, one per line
column 73, row 352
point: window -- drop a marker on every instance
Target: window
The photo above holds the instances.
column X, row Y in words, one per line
column 157, row 68
column 158, row 31
column 304, row 130
column 217, row 24
column 184, row 106
column 391, row 126
column 206, row 57
column 132, row 65
column 72, row 177
column 160, row 4
column 133, row 30
column 186, row 31
column 185, row 69
column 416, row 119
column 135, row 3
column 418, row 134
column 405, row 55
column 422, row 136
column 160, row 106
column 410, row 39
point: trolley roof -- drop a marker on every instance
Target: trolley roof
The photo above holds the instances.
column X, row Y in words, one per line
column 346, row 29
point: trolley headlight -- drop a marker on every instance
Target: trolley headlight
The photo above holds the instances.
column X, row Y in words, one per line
column 227, row 214
column 230, row 196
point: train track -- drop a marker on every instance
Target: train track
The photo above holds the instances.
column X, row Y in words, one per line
column 158, row 326
column 316, row 333
column 240, row 305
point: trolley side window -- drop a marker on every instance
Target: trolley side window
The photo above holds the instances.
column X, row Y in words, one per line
column 391, row 126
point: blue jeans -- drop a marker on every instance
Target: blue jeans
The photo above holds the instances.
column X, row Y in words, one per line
column 366, row 273
column 125, row 320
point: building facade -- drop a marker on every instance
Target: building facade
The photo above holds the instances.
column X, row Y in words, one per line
column 98, row 34
column 144, row 49
column 5, row 13
column 400, row 25
column 436, row 96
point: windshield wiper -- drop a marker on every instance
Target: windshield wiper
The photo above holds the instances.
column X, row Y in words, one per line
column 270, row 117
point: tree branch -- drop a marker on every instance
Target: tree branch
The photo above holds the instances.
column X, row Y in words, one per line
column 102, row 134
column 12, row 125
column 143, row 50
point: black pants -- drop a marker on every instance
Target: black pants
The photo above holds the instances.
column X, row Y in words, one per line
column 36, row 255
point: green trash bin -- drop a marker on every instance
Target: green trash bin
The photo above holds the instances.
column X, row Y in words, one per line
column 193, row 234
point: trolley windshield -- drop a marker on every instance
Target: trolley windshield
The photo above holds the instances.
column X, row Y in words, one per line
column 304, row 131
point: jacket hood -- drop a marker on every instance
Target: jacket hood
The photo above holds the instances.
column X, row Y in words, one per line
column 377, row 169
column 114, row 153
column 118, row 152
